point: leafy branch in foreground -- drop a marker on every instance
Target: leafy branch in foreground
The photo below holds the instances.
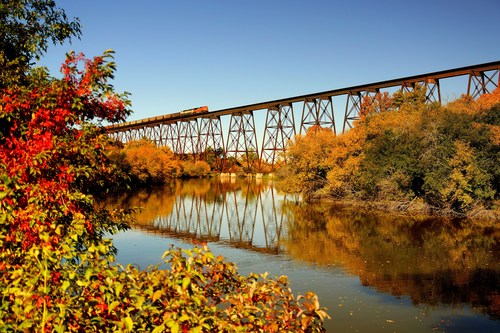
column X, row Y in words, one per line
column 57, row 270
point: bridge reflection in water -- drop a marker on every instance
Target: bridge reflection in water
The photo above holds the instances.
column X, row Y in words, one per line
column 243, row 214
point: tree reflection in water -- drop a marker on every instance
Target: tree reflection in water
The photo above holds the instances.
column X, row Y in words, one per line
column 432, row 261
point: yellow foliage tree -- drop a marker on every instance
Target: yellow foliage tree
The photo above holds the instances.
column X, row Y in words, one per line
column 149, row 163
column 307, row 161
column 467, row 181
column 345, row 157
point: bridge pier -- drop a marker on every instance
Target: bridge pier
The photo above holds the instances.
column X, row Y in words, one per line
column 317, row 112
column 279, row 129
column 242, row 139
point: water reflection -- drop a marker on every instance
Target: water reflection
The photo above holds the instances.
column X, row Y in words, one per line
column 432, row 262
column 244, row 214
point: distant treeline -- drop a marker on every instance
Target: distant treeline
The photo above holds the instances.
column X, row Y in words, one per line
column 406, row 154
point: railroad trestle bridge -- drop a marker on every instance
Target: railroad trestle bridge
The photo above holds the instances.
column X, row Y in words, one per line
column 196, row 133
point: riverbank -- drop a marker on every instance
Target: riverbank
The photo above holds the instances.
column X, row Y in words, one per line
column 413, row 208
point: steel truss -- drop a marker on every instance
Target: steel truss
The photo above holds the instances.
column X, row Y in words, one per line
column 431, row 86
column 317, row 112
column 211, row 137
column 483, row 82
column 171, row 138
column 355, row 100
column 242, row 139
column 279, row 129
column 188, row 142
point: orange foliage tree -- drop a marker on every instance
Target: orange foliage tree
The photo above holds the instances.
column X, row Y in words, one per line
column 406, row 150
column 149, row 164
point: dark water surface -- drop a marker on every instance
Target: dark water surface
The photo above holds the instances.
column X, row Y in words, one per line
column 373, row 273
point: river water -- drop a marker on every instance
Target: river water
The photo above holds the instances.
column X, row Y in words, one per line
column 373, row 273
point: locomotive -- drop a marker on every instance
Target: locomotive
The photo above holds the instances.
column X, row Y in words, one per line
column 187, row 112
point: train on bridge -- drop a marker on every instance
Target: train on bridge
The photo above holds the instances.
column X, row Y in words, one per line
column 198, row 110
column 164, row 118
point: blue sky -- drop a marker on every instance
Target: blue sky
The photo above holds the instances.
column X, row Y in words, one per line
column 174, row 55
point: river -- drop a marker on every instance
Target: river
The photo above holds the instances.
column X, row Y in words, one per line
column 374, row 273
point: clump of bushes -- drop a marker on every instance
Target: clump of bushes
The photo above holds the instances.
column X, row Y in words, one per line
column 195, row 169
column 408, row 151
column 148, row 164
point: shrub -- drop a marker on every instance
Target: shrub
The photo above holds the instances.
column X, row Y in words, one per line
column 149, row 164
column 306, row 162
column 404, row 149
column 195, row 169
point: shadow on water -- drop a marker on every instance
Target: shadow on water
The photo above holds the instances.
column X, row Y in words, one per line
column 432, row 262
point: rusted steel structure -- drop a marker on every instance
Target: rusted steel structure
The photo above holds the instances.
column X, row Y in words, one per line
column 194, row 131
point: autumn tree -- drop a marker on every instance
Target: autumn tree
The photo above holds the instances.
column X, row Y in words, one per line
column 51, row 158
column 407, row 151
column 370, row 105
column 149, row 164
column 307, row 161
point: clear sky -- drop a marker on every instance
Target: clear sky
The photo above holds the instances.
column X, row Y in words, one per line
column 174, row 55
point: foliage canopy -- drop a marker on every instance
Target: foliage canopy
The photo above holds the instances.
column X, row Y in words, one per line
column 408, row 151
